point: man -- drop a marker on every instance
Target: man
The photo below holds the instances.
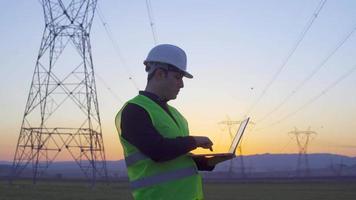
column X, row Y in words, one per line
column 155, row 136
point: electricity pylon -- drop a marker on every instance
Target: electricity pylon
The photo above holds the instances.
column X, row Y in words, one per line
column 62, row 112
column 232, row 125
column 303, row 138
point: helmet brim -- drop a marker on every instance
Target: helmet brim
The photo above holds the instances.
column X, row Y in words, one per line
column 187, row 75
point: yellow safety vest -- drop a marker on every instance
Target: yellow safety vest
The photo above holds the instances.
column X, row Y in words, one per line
column 176, row 179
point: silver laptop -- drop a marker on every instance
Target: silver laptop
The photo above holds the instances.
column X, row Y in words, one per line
column 234, row 144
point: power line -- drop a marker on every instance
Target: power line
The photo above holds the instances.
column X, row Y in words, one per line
column 287, row 144
column 294, row 48
column 152, row 22
column 315, row 70
column 109, row 89
column 116, row 47
column 312, row 100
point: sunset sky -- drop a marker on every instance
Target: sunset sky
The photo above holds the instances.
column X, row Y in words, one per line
column 241, row 54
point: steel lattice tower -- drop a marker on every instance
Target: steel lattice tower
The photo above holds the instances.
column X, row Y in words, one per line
column 62, row 112
column 303, row 138
column 230, row 124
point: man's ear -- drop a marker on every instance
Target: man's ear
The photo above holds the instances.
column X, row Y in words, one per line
column 160, row 73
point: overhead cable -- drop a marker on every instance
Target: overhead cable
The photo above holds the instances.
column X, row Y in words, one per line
column 316, row 97
column 314, row 71
column 116, row 47
column 109, row 89
column 294, row 48
column 152, row 22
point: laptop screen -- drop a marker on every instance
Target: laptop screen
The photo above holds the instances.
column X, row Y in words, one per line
column 238, row 136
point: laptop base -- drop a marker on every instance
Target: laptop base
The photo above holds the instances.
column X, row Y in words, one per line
column 213, row 155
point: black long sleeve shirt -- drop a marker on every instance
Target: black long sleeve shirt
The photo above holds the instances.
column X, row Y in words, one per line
column 137, row 129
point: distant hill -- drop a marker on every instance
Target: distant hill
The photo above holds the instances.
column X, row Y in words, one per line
column 260, row 165
column 287, row 162
column 285, row 165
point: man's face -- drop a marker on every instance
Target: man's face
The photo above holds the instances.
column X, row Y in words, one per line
column 171, row 84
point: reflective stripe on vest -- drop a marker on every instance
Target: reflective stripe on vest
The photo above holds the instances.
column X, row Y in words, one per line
column 134, row 158
column 164, row 177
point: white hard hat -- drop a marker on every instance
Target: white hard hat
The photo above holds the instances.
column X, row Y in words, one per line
column 169, row 54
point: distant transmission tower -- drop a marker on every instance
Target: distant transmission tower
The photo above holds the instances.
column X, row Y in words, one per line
column 231, row 126
column 303, row 138
column 62, row 110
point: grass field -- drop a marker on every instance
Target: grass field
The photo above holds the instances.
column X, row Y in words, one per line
column 263, row 190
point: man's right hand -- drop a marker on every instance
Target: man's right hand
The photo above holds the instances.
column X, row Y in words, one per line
column 203, row 142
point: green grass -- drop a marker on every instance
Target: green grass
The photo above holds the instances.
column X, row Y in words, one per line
column 282, row 190
column 50, row 190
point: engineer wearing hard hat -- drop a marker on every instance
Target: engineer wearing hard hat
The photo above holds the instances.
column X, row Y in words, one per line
column 155, row 136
